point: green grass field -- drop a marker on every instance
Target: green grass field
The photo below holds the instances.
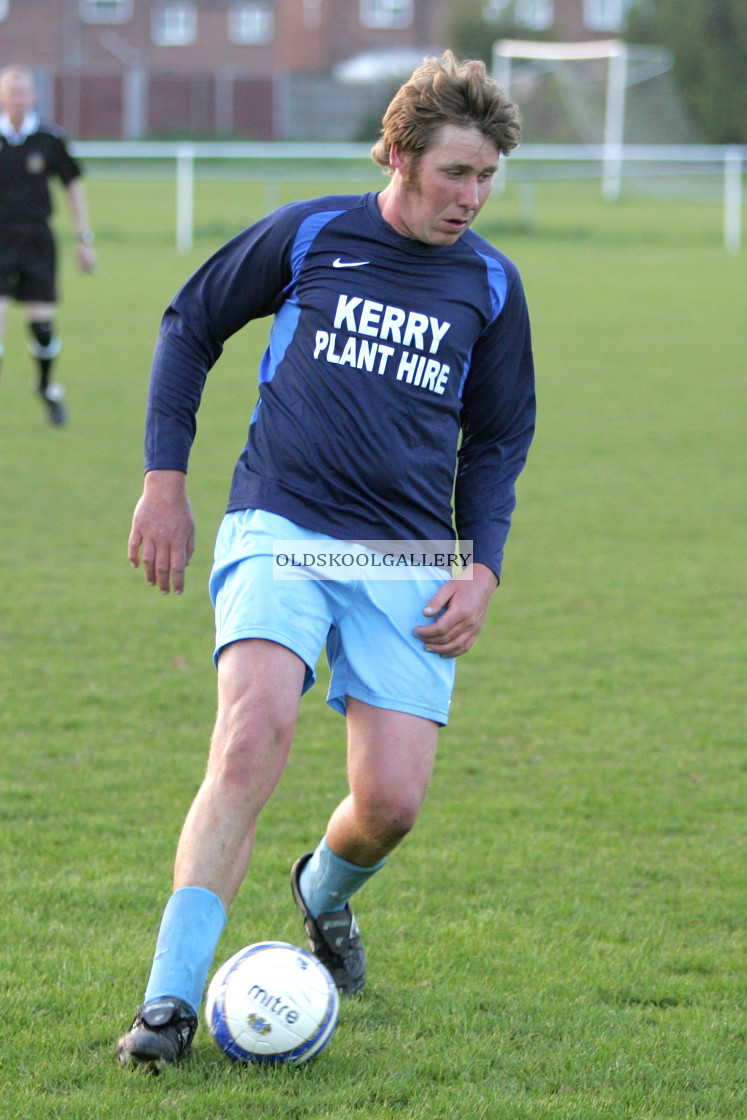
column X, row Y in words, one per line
column 562, row 936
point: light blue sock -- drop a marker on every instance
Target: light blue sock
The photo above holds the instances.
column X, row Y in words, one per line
column 328, row 881
column 191, row 926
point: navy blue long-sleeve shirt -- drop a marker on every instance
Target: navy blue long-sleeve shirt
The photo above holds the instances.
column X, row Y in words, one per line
column 381, row 351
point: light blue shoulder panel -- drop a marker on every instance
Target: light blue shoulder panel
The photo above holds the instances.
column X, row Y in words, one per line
column 286, row 318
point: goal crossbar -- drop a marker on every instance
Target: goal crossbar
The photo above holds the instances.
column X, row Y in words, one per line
column 529, row 48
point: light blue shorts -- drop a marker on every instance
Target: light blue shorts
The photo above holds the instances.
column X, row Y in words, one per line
column 366, row 624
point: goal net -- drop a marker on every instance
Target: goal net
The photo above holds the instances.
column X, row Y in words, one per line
column 605, row 92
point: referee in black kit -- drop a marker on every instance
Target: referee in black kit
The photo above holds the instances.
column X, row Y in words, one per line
column 31, row 152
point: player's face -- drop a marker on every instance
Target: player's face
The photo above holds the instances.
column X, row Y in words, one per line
column 17, row 95
column 443, row 193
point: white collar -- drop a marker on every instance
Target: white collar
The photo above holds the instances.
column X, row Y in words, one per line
column 29, row 124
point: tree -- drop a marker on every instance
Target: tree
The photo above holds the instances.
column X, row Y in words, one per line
column 709, row 41
column 473, row 32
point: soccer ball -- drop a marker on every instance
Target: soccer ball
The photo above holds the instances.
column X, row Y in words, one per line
column 272, row 1002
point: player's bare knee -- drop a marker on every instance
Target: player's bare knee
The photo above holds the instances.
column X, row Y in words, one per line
column 389, row 820
column 243, row 775
column 239, row 766
column 250, row 743
column 260, row 725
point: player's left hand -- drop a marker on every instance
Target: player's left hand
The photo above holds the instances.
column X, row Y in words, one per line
column 464, row 601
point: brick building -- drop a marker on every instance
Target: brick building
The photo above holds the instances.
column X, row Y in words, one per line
column 245, row 68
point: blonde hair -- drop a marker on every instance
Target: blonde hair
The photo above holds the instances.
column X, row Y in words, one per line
column 444, row 91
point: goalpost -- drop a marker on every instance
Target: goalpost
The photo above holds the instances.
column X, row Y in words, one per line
column 626, row 65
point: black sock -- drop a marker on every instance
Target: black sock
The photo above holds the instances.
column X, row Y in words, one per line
column 45, row 347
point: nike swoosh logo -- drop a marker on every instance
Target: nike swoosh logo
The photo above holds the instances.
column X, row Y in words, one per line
column 348, row 264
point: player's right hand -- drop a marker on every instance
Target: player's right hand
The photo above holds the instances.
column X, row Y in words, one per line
column 163, row 528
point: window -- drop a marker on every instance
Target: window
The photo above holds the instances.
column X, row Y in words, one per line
column 251, row 23
column 535, row 14
column 174, row 25
column 3, row 9
column 105, row 11
column 386, row 13
column 606, row 15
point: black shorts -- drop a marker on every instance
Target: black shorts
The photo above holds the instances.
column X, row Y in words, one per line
column 28, row 259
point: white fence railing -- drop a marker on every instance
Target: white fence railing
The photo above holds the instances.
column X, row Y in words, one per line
column 609, row 163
